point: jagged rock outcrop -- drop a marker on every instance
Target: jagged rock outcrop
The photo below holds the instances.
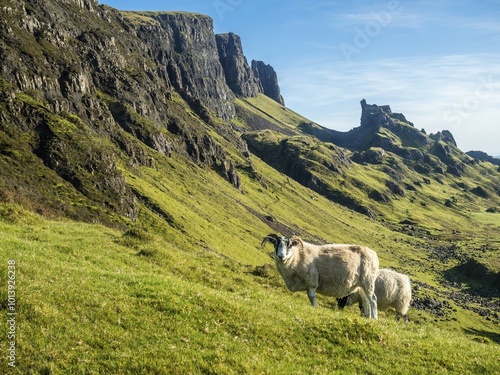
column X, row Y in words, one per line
column 444, row 136
column 374, row 116
column 192, row 59
column 405, row 140
column 243, row 80
column 239, row 75
column 268, row 79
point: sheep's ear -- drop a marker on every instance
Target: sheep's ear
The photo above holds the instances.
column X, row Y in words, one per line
column 295, row 241
column 273, row 238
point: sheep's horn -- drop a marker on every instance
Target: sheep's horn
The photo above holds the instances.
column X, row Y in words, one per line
column 273, row 238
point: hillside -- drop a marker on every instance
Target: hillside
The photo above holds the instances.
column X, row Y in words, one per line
column 143, row 160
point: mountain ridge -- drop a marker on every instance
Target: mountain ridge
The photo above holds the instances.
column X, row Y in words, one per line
column 480, row 155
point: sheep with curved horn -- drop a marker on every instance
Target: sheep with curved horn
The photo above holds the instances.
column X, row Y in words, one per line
column 335, row 270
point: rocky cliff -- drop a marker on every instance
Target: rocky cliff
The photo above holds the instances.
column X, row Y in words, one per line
column 246, row 81
column 268, row 80
column 185, row 44
column 239, row 75
column 117, row 50
column 73, row 71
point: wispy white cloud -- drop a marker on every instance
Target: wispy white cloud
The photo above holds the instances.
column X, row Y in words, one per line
column 481, row 25
column 414, row 15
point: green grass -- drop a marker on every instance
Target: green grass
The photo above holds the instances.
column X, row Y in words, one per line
column 184, row 297
column 92, row 300
column 272, row 111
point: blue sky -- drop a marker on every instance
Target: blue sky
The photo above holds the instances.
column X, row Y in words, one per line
column 437, row 62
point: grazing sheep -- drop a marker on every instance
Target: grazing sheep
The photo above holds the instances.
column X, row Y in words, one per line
column 393, row 290
column 332, row 270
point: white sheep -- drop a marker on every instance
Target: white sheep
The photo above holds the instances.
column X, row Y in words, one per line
column 332, row 270
column 393, row 291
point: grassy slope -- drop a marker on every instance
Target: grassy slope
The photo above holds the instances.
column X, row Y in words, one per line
column 183, row 296
column 96, row 300
column 270, row 110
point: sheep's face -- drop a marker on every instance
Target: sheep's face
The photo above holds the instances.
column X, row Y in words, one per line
column 283, row 249
column 282, row 246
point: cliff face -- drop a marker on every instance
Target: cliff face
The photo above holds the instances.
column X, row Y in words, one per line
column 268, row 80
column 204, row 67
column 239, row 75
column 246, row 81
column 193, row 66
column 72, row 47
column 74, row 73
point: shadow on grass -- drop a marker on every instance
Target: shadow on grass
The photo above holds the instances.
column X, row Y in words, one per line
column 493, row 336
column 477, row 277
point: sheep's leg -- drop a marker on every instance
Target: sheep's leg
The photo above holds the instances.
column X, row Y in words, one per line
column 367, row 311
column 312, row 296
column 405, row 317
column 365, row 303
column 373, row 306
